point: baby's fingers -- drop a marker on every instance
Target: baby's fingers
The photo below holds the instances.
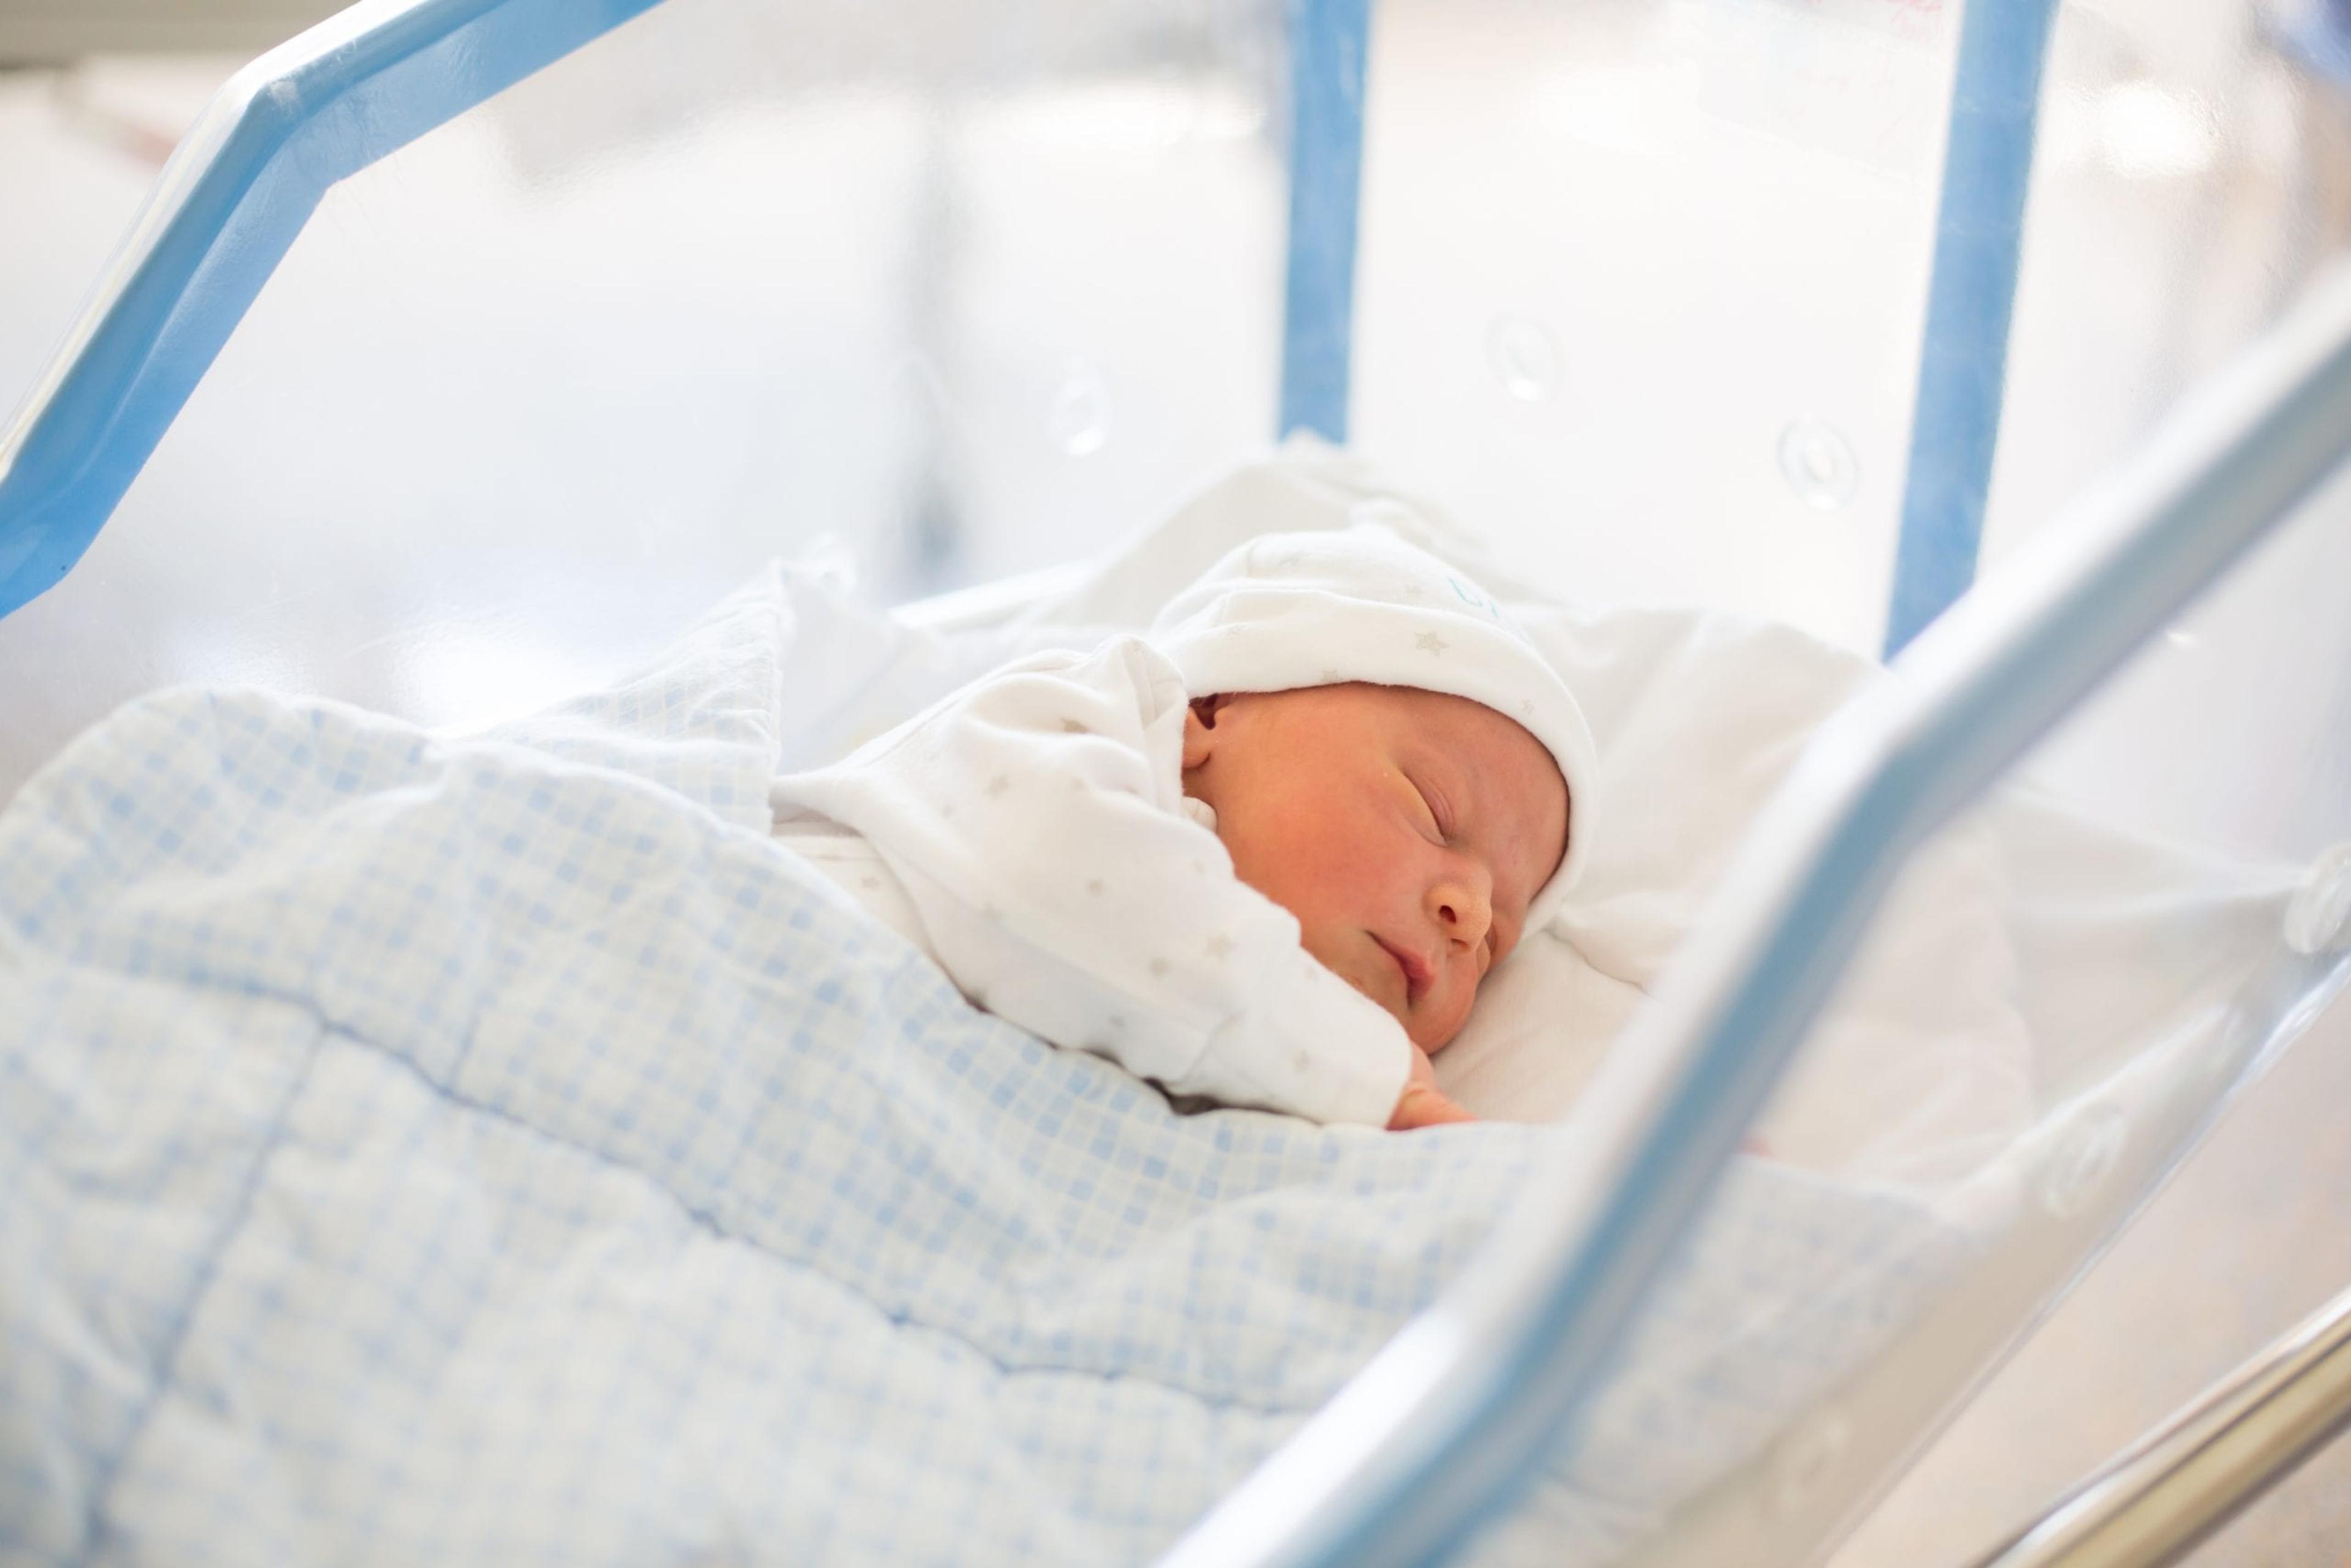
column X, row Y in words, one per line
column 1425, row 1105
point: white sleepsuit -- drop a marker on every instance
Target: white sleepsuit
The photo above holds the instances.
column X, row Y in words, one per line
column 1036, row 822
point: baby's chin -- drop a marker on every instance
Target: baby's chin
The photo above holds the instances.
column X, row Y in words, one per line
column 1430, row 1033
column 1437, row 1041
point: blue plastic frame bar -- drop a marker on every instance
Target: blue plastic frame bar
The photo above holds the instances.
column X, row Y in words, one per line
column 1963, row 362
column 1330, row 43
column 239, row 189
column 1451, row 1419
column 225, row 210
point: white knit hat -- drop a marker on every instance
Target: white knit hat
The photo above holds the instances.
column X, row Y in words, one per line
column 1286, row 610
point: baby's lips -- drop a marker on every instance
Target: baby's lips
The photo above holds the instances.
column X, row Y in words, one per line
column 1419, row 973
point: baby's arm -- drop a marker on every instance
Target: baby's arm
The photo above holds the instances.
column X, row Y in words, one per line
column 1037, row 821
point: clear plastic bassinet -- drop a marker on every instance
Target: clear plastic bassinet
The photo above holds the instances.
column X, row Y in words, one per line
column 605, row 303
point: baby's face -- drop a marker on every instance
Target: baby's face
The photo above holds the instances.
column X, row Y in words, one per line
column 1408, row 832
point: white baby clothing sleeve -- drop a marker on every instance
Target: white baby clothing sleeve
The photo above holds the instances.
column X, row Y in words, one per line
column 1035, row 819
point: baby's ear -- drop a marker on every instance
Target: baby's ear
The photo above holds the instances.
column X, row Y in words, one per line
column 1200, row 730
column 1199, row 739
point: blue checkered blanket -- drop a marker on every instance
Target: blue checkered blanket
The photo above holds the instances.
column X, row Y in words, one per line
column 498, row 1150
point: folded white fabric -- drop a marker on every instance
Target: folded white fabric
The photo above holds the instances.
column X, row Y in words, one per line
column 1297, row 609
column 1035, row 820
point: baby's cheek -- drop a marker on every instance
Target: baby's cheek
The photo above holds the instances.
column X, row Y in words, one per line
column 1456, row 1017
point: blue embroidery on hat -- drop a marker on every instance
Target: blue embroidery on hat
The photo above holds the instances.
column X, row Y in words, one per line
column 1472, row 597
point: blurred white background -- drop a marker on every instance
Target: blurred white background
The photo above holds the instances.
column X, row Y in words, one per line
column 976, row 289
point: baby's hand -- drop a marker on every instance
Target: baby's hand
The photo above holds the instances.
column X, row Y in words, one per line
column 1423, row 1104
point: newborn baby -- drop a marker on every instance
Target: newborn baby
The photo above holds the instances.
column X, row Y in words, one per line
column 1264, row 855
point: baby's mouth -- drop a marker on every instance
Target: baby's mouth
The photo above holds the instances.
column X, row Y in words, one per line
column 1412, row 966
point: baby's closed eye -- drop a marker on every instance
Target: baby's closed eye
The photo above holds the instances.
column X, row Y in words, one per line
column 1433, row 804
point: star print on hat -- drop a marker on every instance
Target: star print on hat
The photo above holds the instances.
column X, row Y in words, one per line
column 1286, row 610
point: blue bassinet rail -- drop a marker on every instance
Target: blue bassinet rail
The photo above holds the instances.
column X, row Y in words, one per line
column 1963, row 359
column 1331, row 44
column 224, row 211
column 345, row 94
column 1446, row 1423
column 358, row 88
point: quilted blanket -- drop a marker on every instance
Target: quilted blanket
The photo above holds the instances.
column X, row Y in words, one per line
column 498, row 1150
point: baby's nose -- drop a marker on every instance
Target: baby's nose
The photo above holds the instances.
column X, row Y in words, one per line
column 1462, row 910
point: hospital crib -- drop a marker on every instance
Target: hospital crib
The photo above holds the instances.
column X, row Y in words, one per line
column 2168, row 656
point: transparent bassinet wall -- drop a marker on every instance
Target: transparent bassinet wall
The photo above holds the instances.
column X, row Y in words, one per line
column 959, row 289
column 2060, row 991
column 945, row 291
